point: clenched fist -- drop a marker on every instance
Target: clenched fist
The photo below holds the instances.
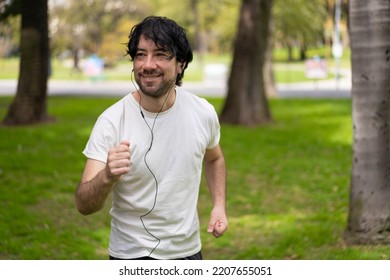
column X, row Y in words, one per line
column 118, row 161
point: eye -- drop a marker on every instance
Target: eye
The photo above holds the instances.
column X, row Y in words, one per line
column 163, row 55
column 139, row 55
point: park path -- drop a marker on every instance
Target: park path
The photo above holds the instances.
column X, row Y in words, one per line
column 315, row 89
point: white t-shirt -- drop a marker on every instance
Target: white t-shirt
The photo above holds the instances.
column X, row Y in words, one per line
column 155, row 210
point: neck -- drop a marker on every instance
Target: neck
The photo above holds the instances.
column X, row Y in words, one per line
column 155, row 104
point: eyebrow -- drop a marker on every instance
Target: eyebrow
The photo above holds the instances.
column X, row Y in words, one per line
column 158, row 49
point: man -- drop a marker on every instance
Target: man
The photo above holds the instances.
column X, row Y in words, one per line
column 148, row 149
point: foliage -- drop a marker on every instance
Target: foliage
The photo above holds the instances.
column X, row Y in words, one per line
column 76, row 26
column 114, row 52
column 221, row 19
column 9, row 28
column 9, row 37
column 287, row 186
column 9, row 8
column 299, row 21
column 82, row 25
column 98, row 26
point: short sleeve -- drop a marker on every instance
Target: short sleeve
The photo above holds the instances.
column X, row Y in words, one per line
column 102, row 138
column 215, row 129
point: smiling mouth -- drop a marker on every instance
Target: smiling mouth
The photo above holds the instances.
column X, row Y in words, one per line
column 150, row 77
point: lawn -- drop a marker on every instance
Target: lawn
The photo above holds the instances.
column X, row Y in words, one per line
column 288, row 186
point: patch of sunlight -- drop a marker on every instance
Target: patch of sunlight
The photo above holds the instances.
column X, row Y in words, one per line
column 84, row 131
column 344, row 134
column 265, row 222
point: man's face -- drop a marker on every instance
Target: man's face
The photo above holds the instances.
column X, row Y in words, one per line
column 155, row 70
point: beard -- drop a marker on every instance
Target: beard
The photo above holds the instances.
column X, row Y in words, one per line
column 155, row 88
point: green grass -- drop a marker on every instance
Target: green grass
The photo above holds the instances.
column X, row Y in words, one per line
column 288, row 186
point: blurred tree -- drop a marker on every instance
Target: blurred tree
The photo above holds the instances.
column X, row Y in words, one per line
column 29, row 105
column 369, row 206
column 81, row 26
column 268, row 72
column 198, row 42
column 174, row 9
column 115, row 42
column 299, row 23
column 9, row 8
column 211, row 24
column 9, row 27
column 9, row 36
column 329, row 27
column 246, row 102
column 219, row 23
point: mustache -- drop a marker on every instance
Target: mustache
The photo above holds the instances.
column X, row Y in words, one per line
column 150, row 72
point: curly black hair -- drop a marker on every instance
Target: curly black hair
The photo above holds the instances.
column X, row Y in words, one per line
column 167, row 35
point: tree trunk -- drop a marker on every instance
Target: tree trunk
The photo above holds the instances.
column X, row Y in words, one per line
column 199, row 42
column 369, row 210
column 76, row 60
column 246, row 102
column 302, row 52
column 29, row 105
column 269, row 74
column 196, row 23
column 290, row 56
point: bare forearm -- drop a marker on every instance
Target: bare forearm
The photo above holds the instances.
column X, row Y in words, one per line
column 92, row 195
column 216, row 180
column 99, row 178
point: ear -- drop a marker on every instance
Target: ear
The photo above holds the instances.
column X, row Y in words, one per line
column 180, row 67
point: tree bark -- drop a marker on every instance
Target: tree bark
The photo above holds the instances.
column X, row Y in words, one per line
column 29, row 105
column 246, row 101
column 369, row 210
column 269, row 74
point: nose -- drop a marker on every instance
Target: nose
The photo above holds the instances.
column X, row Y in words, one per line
column 150, row 62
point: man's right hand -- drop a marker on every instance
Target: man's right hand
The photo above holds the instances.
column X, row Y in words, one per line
column 118, row 161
